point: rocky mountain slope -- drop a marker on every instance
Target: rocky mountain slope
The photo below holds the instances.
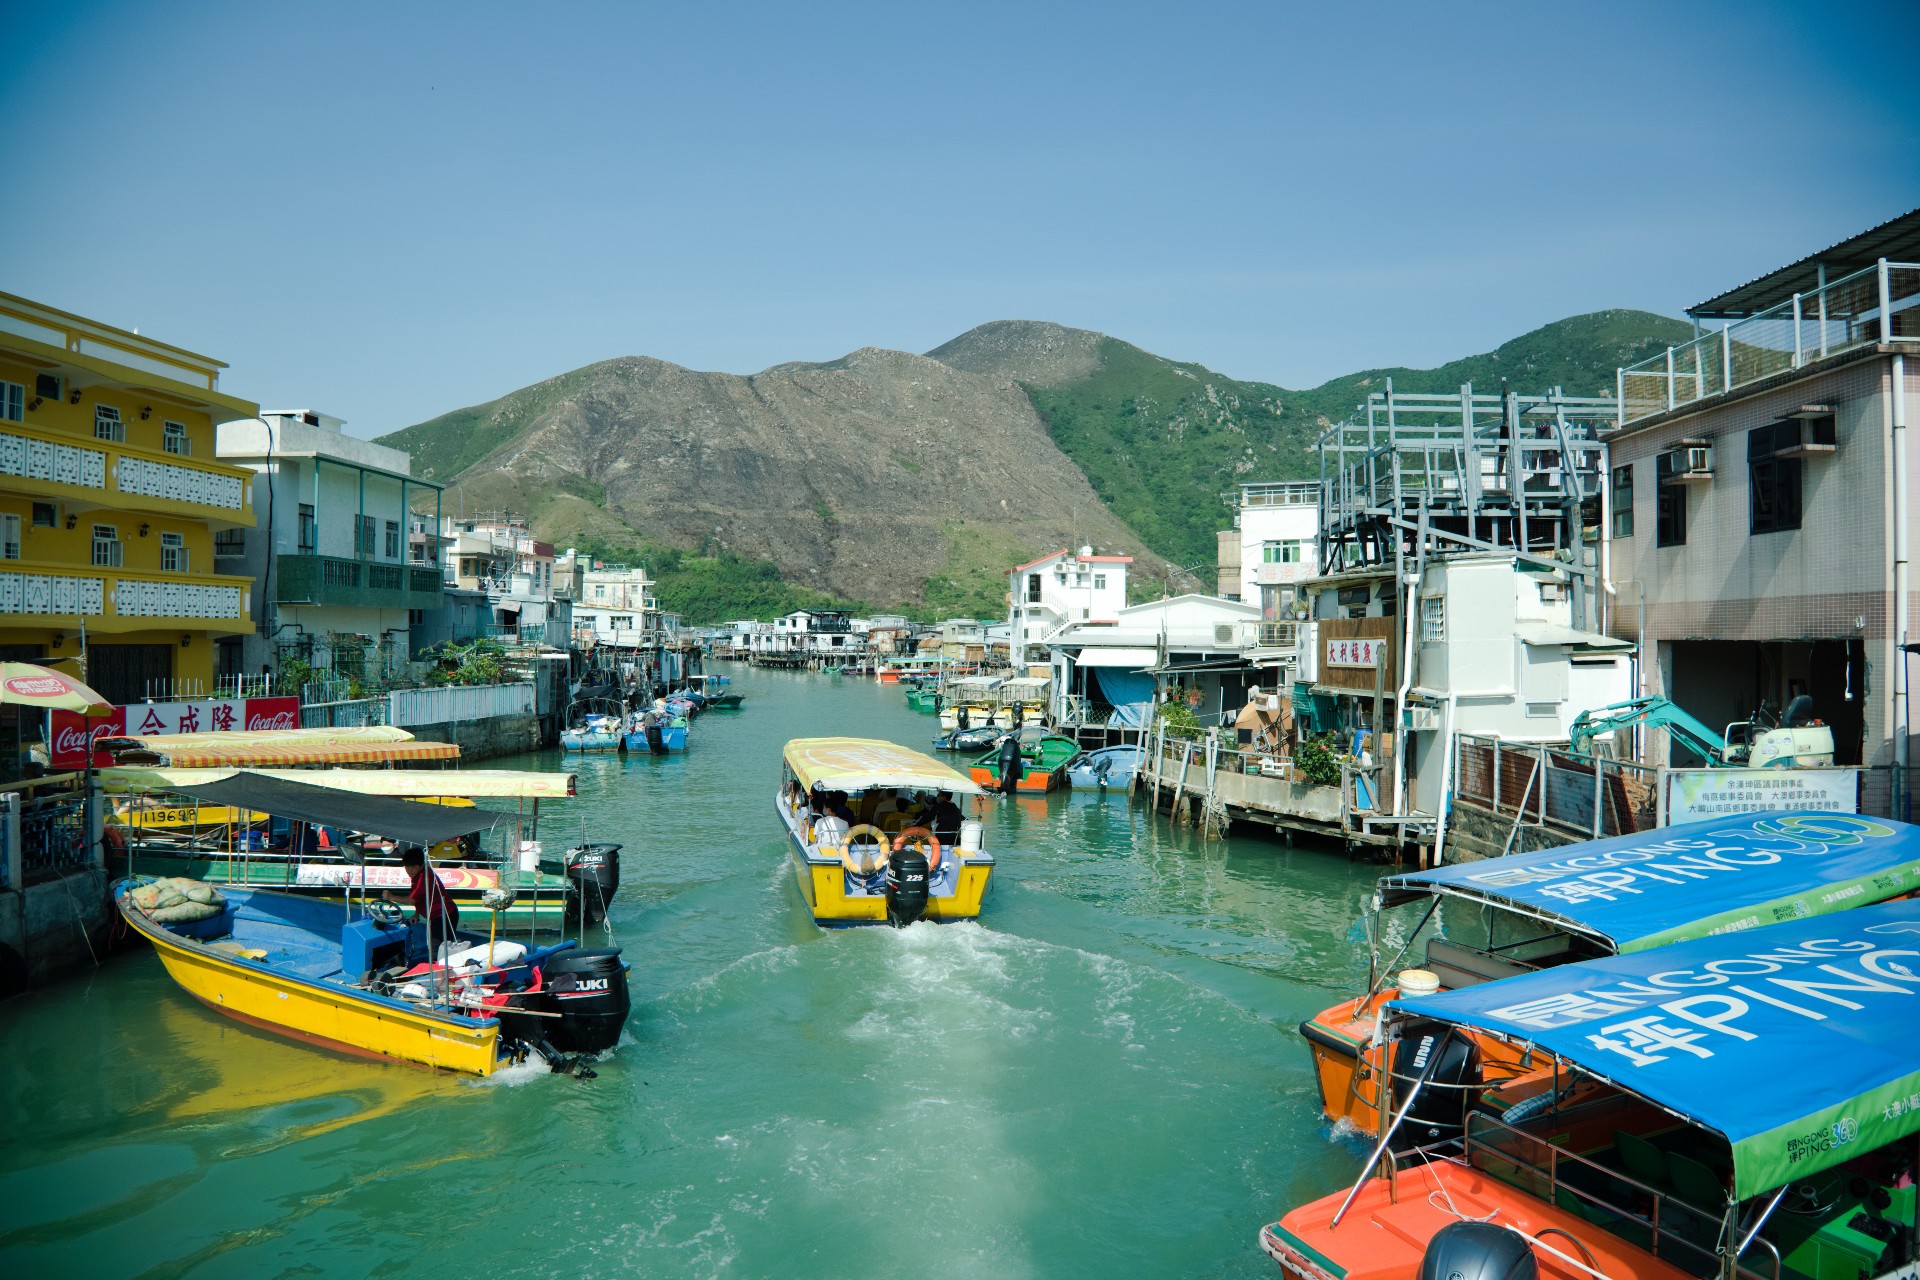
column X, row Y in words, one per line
column 864, row 477
column 895, row 479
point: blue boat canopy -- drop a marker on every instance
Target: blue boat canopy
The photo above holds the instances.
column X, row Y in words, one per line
column 1634, row 892
column 1799, row 1042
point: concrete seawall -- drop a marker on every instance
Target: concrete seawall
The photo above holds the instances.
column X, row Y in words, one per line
column 53, row 928
column 484, row 737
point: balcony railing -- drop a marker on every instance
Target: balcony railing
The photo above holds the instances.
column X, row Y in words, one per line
column 317, row 579
column 106, row 593
column 1878, row 304
column 116, row 476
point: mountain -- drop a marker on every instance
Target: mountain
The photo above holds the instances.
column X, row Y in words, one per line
column 896, row 480
column 881, row 477
column 1162, row 440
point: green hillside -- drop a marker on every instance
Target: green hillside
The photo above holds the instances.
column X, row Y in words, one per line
column 1162, row 441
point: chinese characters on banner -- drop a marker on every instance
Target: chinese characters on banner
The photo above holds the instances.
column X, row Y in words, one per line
column 148, row 719
column 1356, row 651
column 1697, row 794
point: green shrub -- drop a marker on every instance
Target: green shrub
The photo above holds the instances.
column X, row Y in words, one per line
column 1318, row 761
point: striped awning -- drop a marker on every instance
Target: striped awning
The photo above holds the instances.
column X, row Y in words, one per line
column 278, row 748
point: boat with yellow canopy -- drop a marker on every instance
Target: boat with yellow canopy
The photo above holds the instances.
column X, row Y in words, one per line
column 887, row 866
column 163, row 821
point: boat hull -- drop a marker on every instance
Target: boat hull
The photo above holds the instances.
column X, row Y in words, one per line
column 318, row 1012
column 572, row 740
column 823, row 886
column 1035, row 779
column 672, row 738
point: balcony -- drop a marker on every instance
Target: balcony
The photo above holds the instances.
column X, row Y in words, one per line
column 1879, row 304
column 112, row 600
column 99, row 472
column 366, row 584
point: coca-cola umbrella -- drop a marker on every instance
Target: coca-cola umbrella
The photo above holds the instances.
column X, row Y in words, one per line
column 25, row 685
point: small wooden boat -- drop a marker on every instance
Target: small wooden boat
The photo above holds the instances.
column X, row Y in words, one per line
column 880, row 870
column 1625, row 894
column 656, row 732
column 593, row 724
column 923, row 699
column 972, row 740
column 1043, row 762
column 1105, row 769
column 339, row 974
column 1742, row 1106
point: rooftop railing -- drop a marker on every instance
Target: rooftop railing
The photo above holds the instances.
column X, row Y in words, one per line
column 1877, row 304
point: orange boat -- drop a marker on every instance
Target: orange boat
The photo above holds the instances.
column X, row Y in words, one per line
column 1531, row 911
column 1742, row 1106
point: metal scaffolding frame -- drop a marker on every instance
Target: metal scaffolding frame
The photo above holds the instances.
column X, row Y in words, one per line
column 1425, row 474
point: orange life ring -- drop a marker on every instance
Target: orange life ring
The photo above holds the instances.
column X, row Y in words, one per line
column 116, row 836
column 927, row 837
column 859, row 866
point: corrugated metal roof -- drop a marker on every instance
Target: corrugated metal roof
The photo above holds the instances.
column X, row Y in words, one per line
column 1897, row 239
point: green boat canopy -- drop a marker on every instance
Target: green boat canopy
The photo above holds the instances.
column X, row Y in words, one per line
column 410, row 820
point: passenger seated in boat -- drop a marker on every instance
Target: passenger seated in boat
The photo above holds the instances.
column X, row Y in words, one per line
column 944, row 820
column 887, row 804
column 434, row 915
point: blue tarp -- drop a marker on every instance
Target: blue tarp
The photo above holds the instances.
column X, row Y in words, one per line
column 1123, row 688
column 1658, row 887
column 1800, row 1042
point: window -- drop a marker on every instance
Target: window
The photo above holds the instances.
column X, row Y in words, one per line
column 47, row 386
column 309, row 531
column 46, row 515
column 1670, row 516
column 1271, row 552
column 1433, row 619
column 107, row 424
column 1623, row 501
column 13, row 401
column 1099, row 582
column 416, row 617
column 173, row 438
column 393, row 539
column 9, row 537
column 363, row 536
column 173, row 553
column 106, row 546
column 1033, row 588
column 1773, row 482
column 229, row 543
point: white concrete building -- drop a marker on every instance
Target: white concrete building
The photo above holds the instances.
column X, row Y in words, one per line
column 339, row 588
column 1269, row 551
column 1101, row 669
column 1060, row 588
column 617, row 607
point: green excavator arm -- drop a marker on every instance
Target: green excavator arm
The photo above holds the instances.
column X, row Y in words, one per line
column 1657, row 712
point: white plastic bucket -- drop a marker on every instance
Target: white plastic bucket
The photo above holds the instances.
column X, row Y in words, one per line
column 970, row 837
column 529, row 855
column 1418, row 982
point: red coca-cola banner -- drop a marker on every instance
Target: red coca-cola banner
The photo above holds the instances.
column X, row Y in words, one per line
column 147, row 719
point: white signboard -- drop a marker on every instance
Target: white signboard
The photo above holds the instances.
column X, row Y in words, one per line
column 1356, row 651
column 1695, row 794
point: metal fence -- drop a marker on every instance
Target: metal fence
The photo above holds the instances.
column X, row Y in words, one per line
column 53, row 834
column 1878, row 304
column 1546, row 786
column 345, row 713
column 408, row 707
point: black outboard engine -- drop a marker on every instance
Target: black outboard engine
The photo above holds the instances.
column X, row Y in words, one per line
column 1011, row 766
column 594, row 870
column 656, row 740
column 1451, row 1064
column 588, row 989
column 907, row 875
column 1478, row 1251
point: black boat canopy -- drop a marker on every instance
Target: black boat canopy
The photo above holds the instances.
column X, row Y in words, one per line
column 422, row 824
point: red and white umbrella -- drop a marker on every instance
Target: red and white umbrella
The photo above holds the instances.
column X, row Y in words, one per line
column 26, row 685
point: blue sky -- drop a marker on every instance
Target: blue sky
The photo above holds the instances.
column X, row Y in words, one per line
column 388, row 211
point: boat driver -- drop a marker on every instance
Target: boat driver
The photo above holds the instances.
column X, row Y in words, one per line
column 433, row 911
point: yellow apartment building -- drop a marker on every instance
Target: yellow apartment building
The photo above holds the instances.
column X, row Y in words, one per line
column 111, row 504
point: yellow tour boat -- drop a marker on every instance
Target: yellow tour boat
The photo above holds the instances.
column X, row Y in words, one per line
column 887, row 866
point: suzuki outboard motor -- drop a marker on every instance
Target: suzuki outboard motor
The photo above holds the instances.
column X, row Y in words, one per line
column 1478, row 1251
column 589, row 992
column 1011, row 766
column 595, row 872
column 656, row 740
column 907, row 875
column 1451, row 1064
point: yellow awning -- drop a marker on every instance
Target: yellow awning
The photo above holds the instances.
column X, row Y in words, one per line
column 264, row 748
column 470, row 784
column 860, row 764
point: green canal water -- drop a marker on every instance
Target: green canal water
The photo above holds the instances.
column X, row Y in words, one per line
column 1101, row 1078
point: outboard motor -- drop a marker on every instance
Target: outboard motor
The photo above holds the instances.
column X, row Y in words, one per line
column 1478, row 1251
column 589, row 992
column 594, row 870
column 656, row 740
column 1010, row 765
column 907, row 875
column 1451, row 1063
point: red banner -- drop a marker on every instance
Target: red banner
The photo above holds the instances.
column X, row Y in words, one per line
column 147, row 719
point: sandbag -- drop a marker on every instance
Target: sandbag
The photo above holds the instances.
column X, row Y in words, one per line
column 184, row 912
column 169, row 892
